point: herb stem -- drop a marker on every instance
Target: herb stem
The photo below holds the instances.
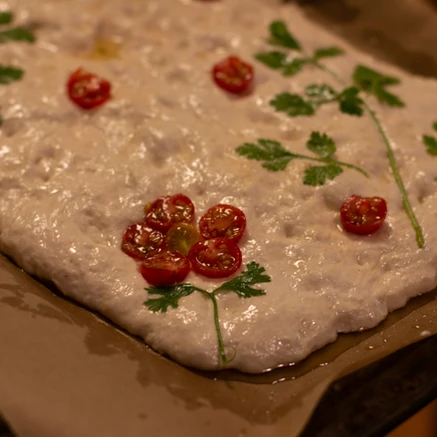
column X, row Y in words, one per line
column 221, row 345
column 329, row 71
column 220, row 342
column 345, row 164
column 331, row 161
column 398, row 178
column 391, row 158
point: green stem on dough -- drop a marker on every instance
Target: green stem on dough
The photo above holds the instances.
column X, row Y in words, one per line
column 221, row 345
column 392, row 160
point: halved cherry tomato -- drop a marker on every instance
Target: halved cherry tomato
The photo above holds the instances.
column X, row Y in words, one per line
column 88, row 90
column 168, row 210
column 139, row 241
column 363, row 215
column 233, row 75
column 181, row 237
column 165, row 269
column 216, row 258
column 223, row 221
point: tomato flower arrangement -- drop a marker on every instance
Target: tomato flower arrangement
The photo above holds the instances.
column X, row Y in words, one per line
column 168, row 246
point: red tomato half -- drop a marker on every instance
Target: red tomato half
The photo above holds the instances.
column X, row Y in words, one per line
column 139, row 240
column 88, row 90
column 363, row 215
column 165, row 269
column 168, row 210
column 216, row 258
column 223, row 221
column 233, row 75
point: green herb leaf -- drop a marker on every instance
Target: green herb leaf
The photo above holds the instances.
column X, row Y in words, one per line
column 169, row 296
column 328, row 52
column 387, row 97
column 17, row 34
column 317, row 175
column 1, row 120
column 9, row 74
column 274, row 59
column 431, row 144
column 6, row 18
column 242, row 284
column 321, row 145
column 280, row 36
column 374, row 83
column 275, row 157
column 323, row 92
column 434, row 126
column 294, row 66
column 293, row 104
column 350, row 102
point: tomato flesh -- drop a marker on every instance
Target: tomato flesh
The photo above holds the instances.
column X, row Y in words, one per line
column 223, row 221
column 363, row 215
column 139, row 241
column 233, row 75
column 181, row 237
column 168, row 210
column 165, row 269
column 215, row 258
column 88, row 90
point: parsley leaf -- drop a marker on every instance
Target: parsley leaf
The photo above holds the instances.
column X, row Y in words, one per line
column 1, row 120
column 327, row 52
column 434, row 126
column 431, row 144
column 374, row 83
column 323, row 92
column 10, row 74
column 321, row 145
column 169, row 296
column 6, row 17
column 350, row 103
column 242, row 284
column 280, row 36
column 274, row 59
column 293, row 104
column 275, row 156
column 294, row 66
column 317, row 175
column 17, row 34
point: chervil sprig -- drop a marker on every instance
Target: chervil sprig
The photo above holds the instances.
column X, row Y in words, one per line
column 275, row 157
column 317, row 95
column 365, row 79
column 375, row 83
column 15, row 33
column 8, row 73
column 5, row 18
column 280, row 36
column 242, row 286
column 431, row 142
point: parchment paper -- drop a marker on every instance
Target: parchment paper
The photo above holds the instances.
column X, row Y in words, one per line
column 66, row 372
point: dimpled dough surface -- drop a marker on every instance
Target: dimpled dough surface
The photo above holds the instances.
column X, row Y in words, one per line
column 72, row 181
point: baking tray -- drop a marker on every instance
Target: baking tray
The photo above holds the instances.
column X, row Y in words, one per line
column 65, row 371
